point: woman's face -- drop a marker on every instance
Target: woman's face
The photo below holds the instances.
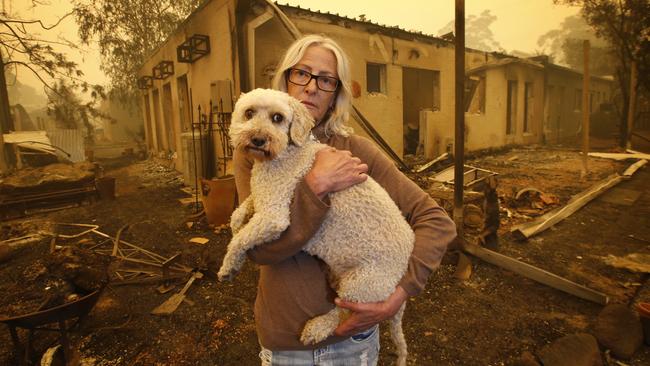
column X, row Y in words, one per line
column 318, row 61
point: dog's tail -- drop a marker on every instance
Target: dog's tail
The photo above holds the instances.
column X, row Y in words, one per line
column 397, row 335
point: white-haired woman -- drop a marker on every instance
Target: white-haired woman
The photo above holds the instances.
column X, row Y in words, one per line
column 293, row 285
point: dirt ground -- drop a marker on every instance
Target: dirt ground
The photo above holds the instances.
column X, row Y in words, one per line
column 488, row 320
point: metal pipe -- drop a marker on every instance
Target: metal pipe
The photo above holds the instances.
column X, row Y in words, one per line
column 196, row 178
column 201, row 147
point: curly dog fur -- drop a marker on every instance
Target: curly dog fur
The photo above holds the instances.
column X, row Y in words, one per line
column 364, row 239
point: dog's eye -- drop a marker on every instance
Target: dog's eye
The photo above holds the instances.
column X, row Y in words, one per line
column 277, row 118
column 249, row 114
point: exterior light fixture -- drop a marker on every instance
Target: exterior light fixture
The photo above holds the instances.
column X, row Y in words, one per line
column 163, row 70
column 193, row 48
column 145, row 82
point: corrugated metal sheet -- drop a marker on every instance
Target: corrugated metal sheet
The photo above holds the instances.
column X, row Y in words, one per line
column 35, row 140
column 70, row 141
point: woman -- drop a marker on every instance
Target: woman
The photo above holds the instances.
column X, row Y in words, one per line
column 293, row 285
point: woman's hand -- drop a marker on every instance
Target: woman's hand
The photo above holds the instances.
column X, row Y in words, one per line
column 366, row 315
column 335, row 170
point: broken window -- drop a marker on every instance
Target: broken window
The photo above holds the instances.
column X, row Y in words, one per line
column 476, row 96
column 511, row 117
column 528, row 106
column 376, row 78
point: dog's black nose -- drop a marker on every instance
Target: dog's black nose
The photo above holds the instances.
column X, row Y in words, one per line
column 258, row 141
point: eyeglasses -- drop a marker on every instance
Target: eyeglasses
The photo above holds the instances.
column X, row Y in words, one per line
column 302, row 78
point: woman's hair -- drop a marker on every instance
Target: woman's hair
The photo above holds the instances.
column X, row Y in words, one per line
column 340, row 113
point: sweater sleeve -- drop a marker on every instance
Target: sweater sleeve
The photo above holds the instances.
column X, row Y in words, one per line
column 433, row 228
column 307, row 214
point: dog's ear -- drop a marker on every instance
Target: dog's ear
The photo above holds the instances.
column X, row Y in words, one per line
column 301, row 123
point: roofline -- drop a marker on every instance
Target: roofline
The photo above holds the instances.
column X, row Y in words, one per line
column 392, row 31
column 504, row 62
column 564, row 68
column 536, row 64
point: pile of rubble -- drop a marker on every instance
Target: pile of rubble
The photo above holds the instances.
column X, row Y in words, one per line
column 36, row 189
column 64, row 275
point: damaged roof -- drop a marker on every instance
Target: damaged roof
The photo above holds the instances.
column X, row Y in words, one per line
column 541, row 64
column 506, row 61
column 376, row 27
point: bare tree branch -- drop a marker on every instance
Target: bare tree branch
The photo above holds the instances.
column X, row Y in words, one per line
column 23, row 22
column 22, row 42
column 39, row 40
column 45, row 83
column 16, row 49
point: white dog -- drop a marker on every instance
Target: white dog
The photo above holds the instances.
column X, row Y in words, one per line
column 364, row 239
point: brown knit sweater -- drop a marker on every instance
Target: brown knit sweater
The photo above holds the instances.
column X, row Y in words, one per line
column 293, row 285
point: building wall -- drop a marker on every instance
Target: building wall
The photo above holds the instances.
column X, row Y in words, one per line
column 485, row 130
column 383, row 110
column 554, row 114
column 563, row 118
column 526, row 74
column 216, row 20
column 488, row 129
column 263, row 39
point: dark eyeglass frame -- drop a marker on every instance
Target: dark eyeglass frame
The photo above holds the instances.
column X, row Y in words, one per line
column 312, row 76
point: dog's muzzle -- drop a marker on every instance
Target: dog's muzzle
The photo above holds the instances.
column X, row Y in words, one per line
column 258, row 145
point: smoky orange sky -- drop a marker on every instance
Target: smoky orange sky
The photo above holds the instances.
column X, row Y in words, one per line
column 517, row 27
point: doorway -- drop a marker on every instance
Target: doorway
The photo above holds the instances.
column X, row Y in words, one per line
column 420, row 90
column 147, row 121
column 167, row 111
column 159, row 123
column 184, row 103
column 511, row 111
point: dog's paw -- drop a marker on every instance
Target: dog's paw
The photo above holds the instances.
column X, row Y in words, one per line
column 226, row 274
column 317, row 330
column 311, row 336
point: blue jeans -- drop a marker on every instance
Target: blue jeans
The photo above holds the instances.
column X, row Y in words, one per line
column 359, row 350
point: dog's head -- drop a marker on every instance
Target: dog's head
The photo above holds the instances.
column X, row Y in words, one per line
column 266, row 121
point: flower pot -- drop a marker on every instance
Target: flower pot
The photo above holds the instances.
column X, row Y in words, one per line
column 219, row 198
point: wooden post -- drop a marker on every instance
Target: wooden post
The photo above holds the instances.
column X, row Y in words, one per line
column 5, row 117
column 3, row 161
column 631, row 105
column 586, row 110
column 464, row 266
